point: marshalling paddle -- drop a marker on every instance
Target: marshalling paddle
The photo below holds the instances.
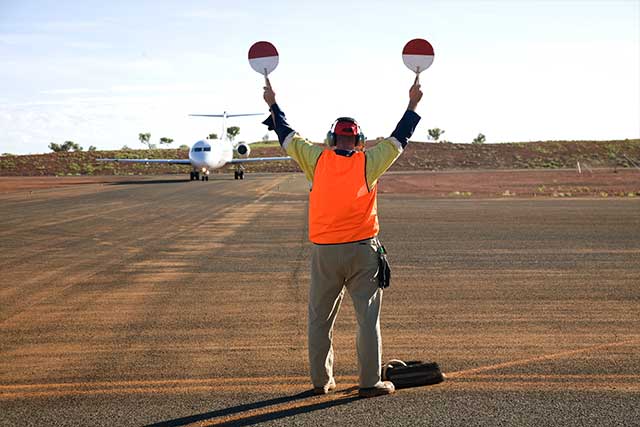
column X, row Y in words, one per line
column 417, row 56
column 263, row 58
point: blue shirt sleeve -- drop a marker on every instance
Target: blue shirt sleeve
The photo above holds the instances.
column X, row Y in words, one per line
column 281, row 126
column 405, row 127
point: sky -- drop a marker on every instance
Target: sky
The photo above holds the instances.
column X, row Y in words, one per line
column 99, row 73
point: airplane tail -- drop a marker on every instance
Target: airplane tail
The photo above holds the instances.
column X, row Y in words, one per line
column 224, row 117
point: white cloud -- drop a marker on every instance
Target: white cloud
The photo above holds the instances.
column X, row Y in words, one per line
column 24, row 39
column 89, row 45
column 70, row 91
column 113, row 119
column 216, row 14
column 71, row 26
column 159, row 88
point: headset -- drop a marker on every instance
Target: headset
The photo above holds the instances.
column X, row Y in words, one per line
column 330, row 140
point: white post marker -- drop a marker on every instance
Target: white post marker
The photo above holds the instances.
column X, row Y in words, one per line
column 417, row 55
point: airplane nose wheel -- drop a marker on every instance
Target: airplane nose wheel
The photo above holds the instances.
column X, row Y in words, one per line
column 195, row 176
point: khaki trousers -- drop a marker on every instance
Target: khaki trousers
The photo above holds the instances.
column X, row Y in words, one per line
column 334, row 268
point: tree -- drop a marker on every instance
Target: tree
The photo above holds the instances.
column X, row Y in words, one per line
column 92, row 148
column 125, row 148
column 66, row 146
column 479, row 139
column 265, row 137
column 232, row 132
column 435, row 133
column 145, row 138
column 212, row 136
column 165, row 140
column 184, row 147
column 73, row 146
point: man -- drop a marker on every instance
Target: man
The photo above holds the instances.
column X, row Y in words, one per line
column 343, row 227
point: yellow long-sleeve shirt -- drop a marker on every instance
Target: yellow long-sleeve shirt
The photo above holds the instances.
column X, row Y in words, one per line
column 378, row 158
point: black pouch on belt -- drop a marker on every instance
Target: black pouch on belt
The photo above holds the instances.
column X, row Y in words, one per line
column 384, row 271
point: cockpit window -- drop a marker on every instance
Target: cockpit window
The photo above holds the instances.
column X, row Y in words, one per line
column 207, row 149
column 197, row 149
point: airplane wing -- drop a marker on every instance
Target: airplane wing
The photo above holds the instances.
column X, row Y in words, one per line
column 165, row 161
column 258, row 159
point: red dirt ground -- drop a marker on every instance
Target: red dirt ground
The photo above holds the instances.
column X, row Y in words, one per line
column 169, row 302
column 9, row 184
column 456, row 184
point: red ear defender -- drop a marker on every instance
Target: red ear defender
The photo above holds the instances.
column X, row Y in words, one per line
column 346, row 126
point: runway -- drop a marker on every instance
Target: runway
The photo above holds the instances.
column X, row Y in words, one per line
column 168, row 302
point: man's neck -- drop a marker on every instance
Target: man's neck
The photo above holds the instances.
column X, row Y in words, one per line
column 345, row 147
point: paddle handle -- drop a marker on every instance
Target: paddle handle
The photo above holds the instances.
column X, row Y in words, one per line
column 268, row 85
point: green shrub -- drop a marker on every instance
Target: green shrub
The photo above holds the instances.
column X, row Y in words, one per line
column 74, row 168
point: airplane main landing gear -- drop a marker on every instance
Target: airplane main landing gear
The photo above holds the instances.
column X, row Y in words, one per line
column 239, row 172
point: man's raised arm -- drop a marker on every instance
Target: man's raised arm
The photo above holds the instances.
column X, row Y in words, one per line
column 277, row 120
column 302, row 151
column 381, row 157
column 410, row 119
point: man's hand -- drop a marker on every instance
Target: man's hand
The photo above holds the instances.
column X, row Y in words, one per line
column 415, row 95
column 269, row 95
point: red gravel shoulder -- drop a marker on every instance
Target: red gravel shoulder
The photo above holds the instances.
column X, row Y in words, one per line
column 514, row 183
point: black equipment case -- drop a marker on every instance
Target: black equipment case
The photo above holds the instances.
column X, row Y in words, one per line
column 412, row 374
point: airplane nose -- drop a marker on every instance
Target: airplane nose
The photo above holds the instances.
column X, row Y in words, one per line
column 208, row 158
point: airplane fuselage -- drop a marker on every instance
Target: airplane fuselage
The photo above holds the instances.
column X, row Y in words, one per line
column 206, row 155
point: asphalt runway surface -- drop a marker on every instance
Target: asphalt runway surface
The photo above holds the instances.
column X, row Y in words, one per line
column 170, row 303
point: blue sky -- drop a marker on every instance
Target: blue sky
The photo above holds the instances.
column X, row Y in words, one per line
column 98, row 73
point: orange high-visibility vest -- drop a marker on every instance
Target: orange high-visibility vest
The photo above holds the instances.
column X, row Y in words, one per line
column 342, row 209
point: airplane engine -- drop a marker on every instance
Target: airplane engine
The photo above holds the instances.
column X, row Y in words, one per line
column 243, row 150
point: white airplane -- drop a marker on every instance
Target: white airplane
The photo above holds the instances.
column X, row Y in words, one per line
column 209, row 154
